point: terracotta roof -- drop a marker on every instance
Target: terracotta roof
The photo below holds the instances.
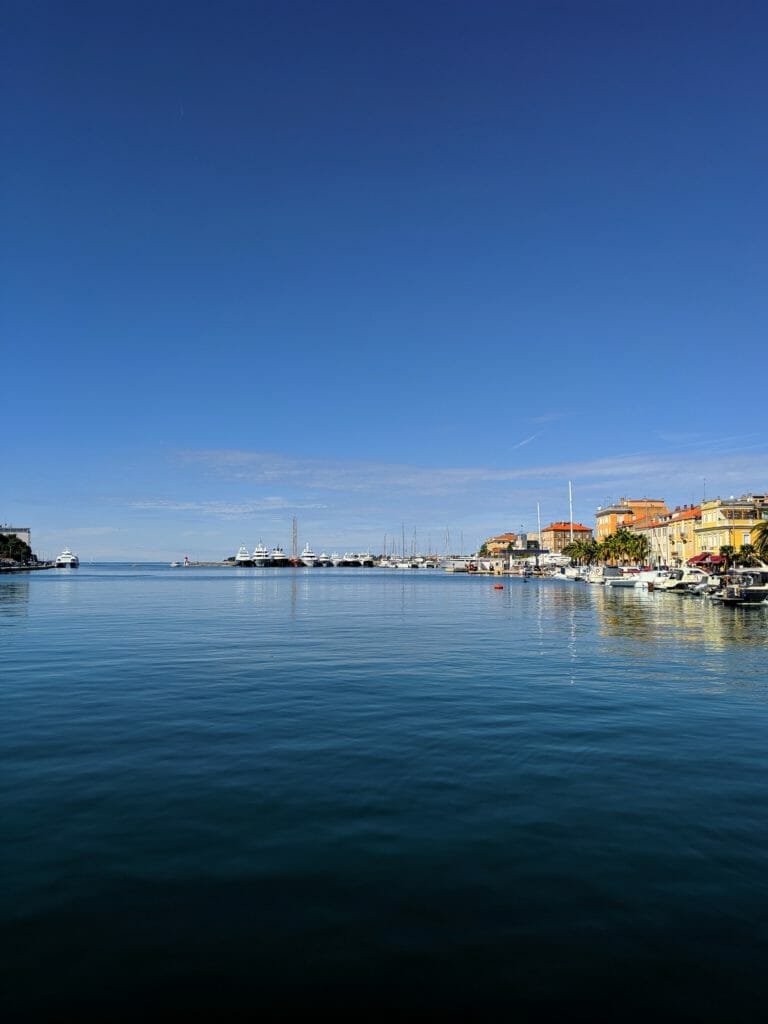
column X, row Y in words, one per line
column 577, row 527
column 686, row 513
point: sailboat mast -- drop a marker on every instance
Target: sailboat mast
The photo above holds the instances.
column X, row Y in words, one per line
column 570, row 508
column 538, row 527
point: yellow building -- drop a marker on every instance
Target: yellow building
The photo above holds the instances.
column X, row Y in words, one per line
column 729, row 522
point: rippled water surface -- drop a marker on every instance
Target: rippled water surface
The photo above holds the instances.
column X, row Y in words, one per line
column 236, row 791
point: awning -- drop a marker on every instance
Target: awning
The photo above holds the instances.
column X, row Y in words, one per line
column 706, row 557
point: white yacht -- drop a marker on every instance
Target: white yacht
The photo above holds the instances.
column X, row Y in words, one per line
column 308, row 556
column 324, row 559
column 260, row 555
column 682, row 579
column 243, row 556
column 336, row 559
column 67, row 560
column 278, row 556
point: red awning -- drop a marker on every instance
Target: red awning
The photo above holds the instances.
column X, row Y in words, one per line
column 706, row 557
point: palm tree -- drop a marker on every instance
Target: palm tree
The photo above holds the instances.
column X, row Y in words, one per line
column 746, row 555
column 727, row 551
column 639, row 549
column 759, row 539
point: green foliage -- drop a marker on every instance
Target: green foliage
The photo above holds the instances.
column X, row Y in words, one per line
column 620, row 548
column 728, row 552
column 746, row 555
column 15, row 549
column 759, row 539
column 583, row 552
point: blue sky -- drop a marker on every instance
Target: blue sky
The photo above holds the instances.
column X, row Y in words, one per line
column 382, row 267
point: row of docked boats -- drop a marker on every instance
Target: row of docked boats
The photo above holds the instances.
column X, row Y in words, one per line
column 743, row 586
column 263, row 557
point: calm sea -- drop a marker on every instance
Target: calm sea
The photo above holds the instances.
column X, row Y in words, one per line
column 227, row 793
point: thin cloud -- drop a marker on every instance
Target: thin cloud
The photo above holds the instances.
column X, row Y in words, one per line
column 221, row 509
column 525, row 441
column 724, row 458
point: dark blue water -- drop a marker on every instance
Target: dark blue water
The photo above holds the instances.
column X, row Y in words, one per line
column 229, row 792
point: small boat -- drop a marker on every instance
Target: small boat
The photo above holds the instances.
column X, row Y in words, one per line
column 683, row 579
column 745, row 587
column 626, row 578
column 455, row 564
column 67, row 560
column 324, row 559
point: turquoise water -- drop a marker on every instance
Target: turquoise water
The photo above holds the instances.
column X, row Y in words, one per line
column 242, row 791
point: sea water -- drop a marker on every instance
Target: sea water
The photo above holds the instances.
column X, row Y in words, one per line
column 231, row 792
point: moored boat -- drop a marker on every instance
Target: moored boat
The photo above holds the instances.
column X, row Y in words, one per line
column 745, row 587
column 278, row 556
column 67, row 560
column 308, row 556
column 260, row 555
column 243, row 557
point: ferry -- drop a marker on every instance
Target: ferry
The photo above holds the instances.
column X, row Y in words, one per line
column 67, row 560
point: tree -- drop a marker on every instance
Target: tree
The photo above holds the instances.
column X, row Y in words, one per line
column 728, row 551
column 759, row 539
column 746, row 555
column 583, row 552
column 14, row 548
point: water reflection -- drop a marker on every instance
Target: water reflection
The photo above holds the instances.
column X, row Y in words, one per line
column 658, row 618
column 14, row 596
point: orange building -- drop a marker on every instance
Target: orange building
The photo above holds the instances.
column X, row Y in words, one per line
column 501, row 544
column 611, row 518
column 556, row 536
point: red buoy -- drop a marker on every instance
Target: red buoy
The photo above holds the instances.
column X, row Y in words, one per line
column 498, row 586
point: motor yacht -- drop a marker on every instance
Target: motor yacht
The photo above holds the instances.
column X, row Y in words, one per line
column 745, row 586
column 243, row 557
column 308, row 556
column 278, row 556
column 260, row 555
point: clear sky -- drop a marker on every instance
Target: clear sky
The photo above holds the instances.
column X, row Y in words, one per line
column 386, row 267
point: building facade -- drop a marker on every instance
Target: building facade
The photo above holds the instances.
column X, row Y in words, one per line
column 556, row 536
column 610, row 519
column 500, row 544
column 729, row 522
